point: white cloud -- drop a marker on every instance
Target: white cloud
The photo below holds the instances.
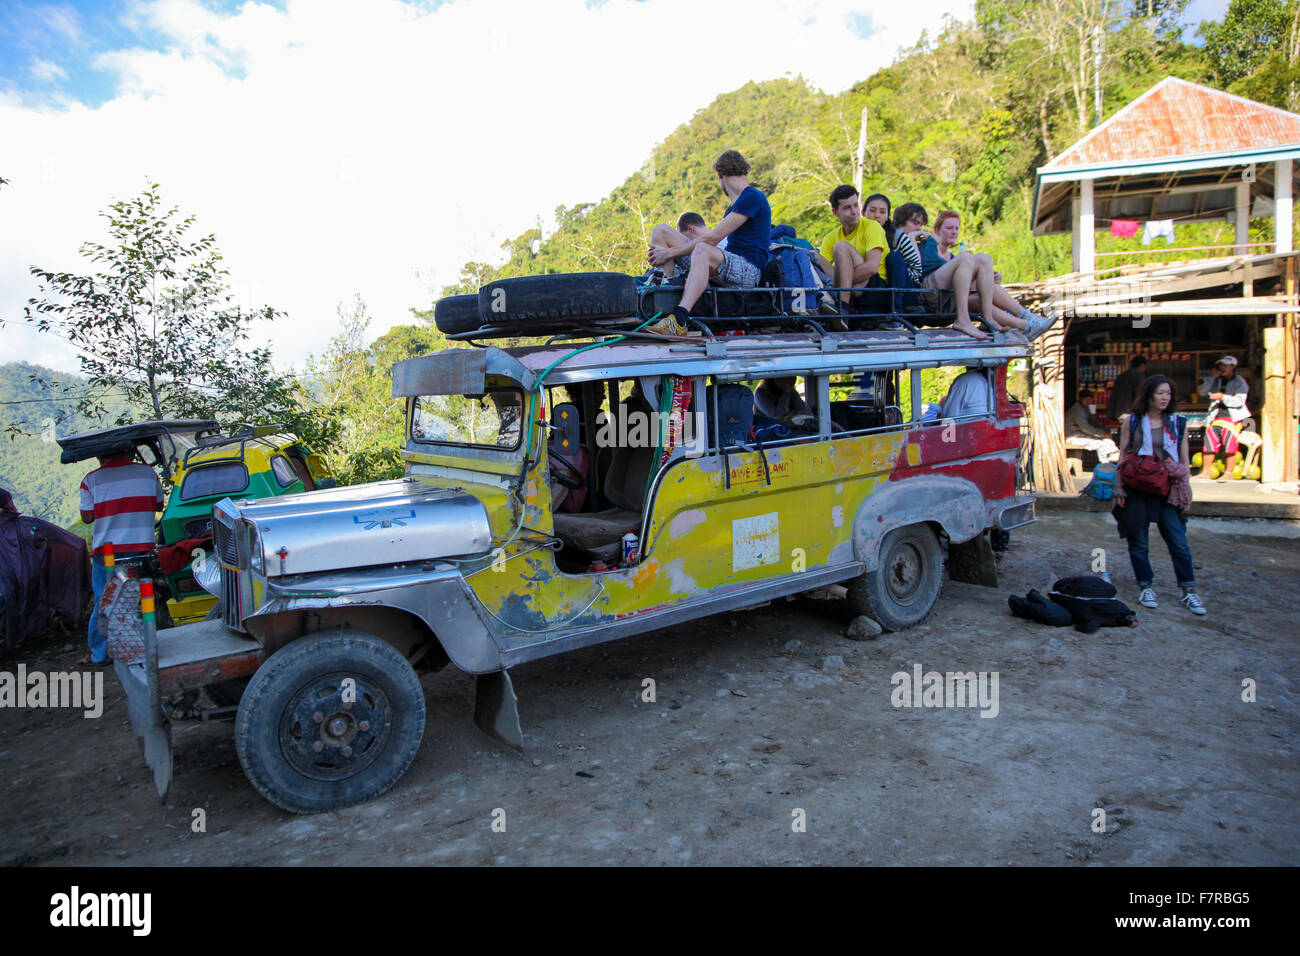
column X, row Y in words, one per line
column 43, row 71
column 338, row 146
column 62, row 20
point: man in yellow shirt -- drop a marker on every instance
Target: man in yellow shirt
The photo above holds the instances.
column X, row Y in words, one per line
column 853, row 253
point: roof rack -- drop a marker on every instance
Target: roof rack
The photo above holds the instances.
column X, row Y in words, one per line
column 723, row 312
column 243, row 435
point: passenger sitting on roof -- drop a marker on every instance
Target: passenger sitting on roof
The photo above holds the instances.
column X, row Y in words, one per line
column 909, row 219
column 946, row 269
column 942, row 268
column 690, row 226
column 747, row 225
column 853, row 253
column 903, row 262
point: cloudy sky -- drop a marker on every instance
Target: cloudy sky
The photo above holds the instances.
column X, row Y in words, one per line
column 370, row 147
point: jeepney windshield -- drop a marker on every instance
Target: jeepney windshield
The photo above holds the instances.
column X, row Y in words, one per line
column 492, row 420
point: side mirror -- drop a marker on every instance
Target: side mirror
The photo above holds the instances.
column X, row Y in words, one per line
column 564, row 427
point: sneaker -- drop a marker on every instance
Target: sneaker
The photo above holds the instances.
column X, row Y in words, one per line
column 668, row 325
column 1036, row 325
column 1148, row 598
column 1193, row 603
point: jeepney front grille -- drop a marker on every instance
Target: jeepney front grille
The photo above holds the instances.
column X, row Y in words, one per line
column 223, row 542
column 230, row 598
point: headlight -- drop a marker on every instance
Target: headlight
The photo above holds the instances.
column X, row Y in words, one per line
column 208, row 574
column 255, row 551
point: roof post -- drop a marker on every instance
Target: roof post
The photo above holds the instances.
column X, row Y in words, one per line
column 1074, row 234
column 1243, row 217
column 1282, row 206
column 1087, row 229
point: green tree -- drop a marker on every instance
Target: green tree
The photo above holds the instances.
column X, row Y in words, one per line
column 351, row 386
column 156, row 323
column 1254, row 50
column 1250, row 31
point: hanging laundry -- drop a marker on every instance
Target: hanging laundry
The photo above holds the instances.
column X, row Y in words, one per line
column 1124, row 228
column 1156, row 229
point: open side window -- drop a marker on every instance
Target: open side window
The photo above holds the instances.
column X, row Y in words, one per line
column 761, row 412
column 869, row 401
column 628, row 430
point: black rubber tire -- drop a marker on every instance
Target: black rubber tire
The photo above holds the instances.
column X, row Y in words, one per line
column 457, row 314
column 901, row 591
column 276, row 729
column 548, row 299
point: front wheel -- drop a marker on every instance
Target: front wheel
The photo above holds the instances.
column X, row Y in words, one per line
column 901, row 591
column 329, row 721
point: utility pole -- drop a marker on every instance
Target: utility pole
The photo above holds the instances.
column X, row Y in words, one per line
column 862, row 153
column 1097, row 39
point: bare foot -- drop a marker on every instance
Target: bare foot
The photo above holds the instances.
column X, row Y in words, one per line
column 964, row 325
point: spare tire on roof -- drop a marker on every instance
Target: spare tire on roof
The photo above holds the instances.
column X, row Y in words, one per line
column 551, row 299
column 457, row 314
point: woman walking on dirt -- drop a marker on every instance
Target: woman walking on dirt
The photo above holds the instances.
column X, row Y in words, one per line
column 1152, row 429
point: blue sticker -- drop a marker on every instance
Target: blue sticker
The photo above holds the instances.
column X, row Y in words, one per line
column 383, row 518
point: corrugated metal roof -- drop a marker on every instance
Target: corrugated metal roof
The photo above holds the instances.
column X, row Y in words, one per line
column 1177, row 118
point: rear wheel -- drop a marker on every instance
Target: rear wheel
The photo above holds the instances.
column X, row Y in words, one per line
column 901, row 591
column 329, row 721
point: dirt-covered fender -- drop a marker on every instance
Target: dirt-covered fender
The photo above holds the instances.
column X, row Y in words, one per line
column 954, row 504
column 439, row 601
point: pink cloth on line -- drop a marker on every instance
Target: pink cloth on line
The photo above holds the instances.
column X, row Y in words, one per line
column 1124, row 228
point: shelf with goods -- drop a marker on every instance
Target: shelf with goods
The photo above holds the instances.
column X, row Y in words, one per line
column 1185, row 367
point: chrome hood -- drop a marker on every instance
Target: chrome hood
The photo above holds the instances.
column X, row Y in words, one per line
column 383, row 522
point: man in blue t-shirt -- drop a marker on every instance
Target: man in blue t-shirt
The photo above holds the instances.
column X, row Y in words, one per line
column 747, row 227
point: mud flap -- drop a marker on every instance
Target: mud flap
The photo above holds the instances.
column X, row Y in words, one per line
column 133, row 643
column 151, row 728
column 972, row 562
column 496, row 709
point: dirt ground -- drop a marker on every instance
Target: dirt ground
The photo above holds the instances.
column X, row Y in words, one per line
column 767, row 712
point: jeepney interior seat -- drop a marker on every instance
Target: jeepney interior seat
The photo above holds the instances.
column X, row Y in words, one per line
column 624, row 486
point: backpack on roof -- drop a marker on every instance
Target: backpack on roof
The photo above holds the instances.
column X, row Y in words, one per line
column 790, row 267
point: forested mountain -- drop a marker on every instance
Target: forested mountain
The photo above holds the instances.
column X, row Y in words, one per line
column 958, row 122
column 41, row 404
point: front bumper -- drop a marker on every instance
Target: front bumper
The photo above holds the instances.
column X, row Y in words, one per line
column 1015, row 513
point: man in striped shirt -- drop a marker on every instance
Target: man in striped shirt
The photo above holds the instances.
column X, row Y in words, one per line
column 119, row 498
